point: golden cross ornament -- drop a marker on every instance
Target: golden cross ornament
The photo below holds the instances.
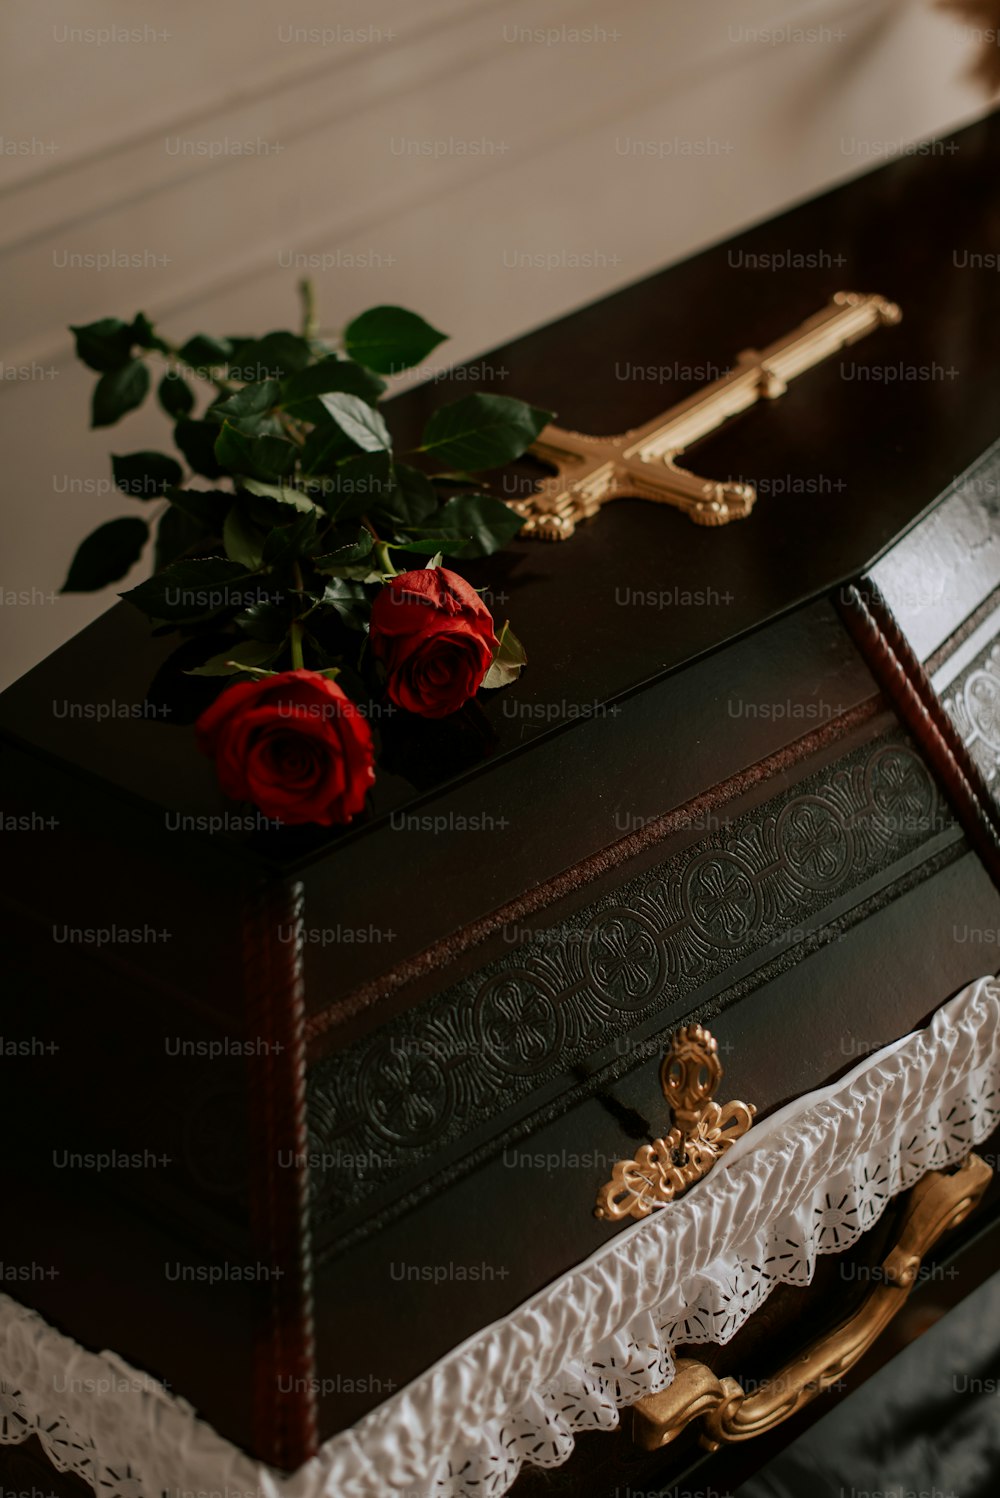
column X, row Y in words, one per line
column 642, row 464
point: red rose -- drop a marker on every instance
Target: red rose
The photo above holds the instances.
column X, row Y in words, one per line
column 294, row 744
column 434, row 635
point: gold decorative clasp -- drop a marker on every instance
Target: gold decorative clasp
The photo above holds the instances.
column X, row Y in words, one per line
column 689, row 1075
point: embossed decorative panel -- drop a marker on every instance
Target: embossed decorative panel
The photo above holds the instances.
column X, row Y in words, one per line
column 969, row 687
column 468, row 1055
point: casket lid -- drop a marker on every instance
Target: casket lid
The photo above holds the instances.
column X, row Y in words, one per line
column 855, row 451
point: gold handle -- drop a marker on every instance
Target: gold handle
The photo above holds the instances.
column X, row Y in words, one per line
column 936, row 1204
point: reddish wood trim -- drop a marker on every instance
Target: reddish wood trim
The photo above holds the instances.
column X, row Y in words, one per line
column 280, row 1209
column 874, row 629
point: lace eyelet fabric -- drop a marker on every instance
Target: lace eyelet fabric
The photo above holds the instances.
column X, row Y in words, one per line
column 808, row 1180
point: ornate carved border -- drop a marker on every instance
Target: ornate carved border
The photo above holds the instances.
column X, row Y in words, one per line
column 570, row 992
column 966, row 676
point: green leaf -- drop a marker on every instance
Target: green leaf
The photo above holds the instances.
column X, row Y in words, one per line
column 272, row 357
column 456, row 479
column 119, row 391
column 365, row 426
column 349, row 600
column 352, row 551
column 242, row 540
column 482, row 431
column 245, row 653
column 266, row 458
column 360, row 572
column 145, row 335
column 245, row 407
column 175, row 533
column 429, row 544
column 265, row 621
column 284, row 494
column 196, row 440
column 234, row 450
column 300, row 391
column 272, row 458
column 107, row 344
column 470, row 525
column 360, row 485
column 509, row 660
column 145, row 475
column 290, row 542
column 414, row 499
column 390, row 339
column 190, row 589
column 202, row 352
column 106, row 554
column 207, row 507
column 324, row 448
column 104, row 345
column 175, row 394
column 352, row 561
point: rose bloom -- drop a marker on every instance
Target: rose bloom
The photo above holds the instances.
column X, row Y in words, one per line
column 434, row 635
column 294, row 744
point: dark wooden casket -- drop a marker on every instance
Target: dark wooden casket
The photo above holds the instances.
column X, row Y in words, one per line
column 296, row 1113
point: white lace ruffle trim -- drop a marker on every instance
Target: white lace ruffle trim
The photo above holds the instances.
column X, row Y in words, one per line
column 808, row 1180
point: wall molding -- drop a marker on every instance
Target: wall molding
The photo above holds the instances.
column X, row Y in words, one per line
column 136, row 199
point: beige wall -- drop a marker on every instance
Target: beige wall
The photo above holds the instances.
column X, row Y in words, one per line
column 491, row 163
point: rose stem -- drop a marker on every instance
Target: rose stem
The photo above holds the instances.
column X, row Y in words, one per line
column 381, row 548
column 310, row 322
column 298, row 660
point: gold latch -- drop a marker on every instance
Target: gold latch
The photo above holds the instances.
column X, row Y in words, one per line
column 641, row 464
column 689, row 1075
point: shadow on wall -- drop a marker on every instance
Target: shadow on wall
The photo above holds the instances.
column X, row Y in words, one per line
column 981, row 20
